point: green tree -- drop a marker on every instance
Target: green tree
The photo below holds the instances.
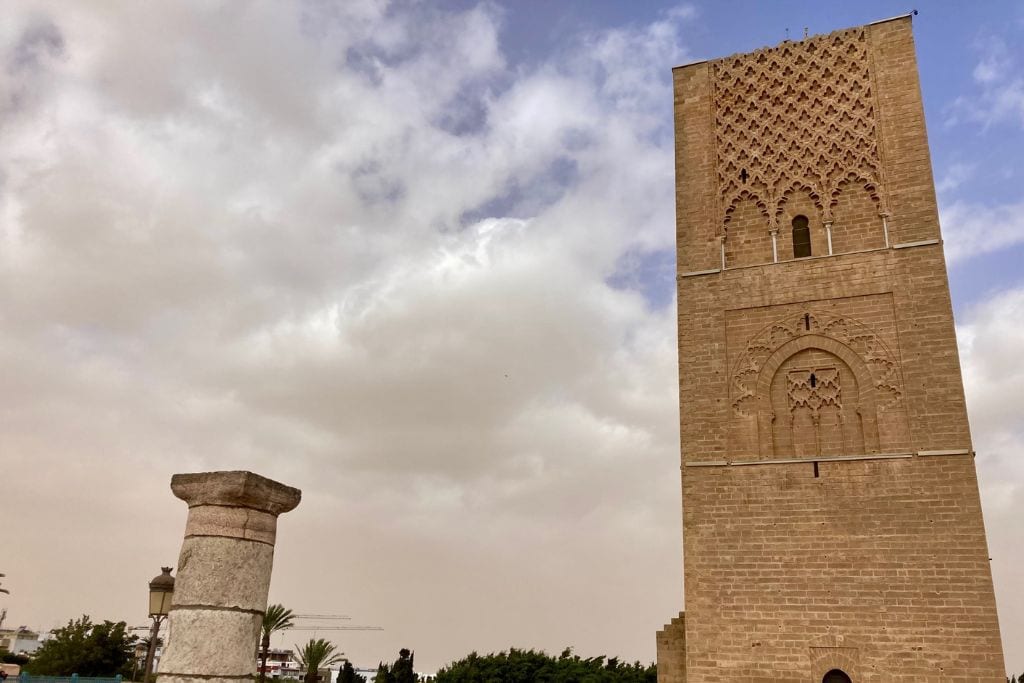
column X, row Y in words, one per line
column 349, row 675
column 384, row 674
column 86, row 649
column 144, row 640
column 8, row 657
column 402, row 670
column 275, row 619
column 529, row 666
column 316, row 654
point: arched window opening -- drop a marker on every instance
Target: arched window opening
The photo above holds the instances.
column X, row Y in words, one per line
column 836, row 676
column 801, row 237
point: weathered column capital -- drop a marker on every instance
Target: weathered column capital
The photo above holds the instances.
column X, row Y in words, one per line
column 235, row 489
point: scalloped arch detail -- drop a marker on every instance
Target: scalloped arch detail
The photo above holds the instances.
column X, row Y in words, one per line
column 800, row 115
column 842, row 333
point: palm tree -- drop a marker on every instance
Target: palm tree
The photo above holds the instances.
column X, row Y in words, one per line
column 315, row 654
column 275, row 619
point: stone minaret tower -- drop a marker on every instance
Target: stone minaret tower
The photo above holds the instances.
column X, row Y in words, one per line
column 831, row 520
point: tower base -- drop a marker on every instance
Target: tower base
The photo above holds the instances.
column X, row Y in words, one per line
column 672, row 651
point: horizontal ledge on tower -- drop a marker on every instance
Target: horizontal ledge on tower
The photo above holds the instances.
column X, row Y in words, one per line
column 694, row 273
column 898, row 16
column 813, row 257
column 829, row 458
column 920, row 243
column 792, row 461
column 693, row 63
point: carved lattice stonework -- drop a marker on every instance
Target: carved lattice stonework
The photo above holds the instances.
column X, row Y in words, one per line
column 821, row 392
column 799, row 117
column 857, row 336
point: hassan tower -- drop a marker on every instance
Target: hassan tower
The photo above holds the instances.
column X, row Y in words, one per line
column 832, row 528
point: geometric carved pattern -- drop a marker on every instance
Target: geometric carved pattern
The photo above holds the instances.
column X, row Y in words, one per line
column 857, row 336
column 800, row 116
column 823, row 391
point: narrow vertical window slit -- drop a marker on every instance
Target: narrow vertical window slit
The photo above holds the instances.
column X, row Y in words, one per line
column 801, row 237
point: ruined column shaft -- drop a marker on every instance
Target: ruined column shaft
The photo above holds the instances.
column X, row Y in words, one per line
column 223, row 574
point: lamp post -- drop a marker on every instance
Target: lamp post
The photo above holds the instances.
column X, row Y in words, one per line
column 161, row 589
column 140, row 655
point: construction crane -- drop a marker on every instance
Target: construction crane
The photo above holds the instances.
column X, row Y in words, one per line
column 300, row 625
column 314, row 627
column 327, row 627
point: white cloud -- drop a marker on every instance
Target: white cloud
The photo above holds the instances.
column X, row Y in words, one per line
column 351, row 248
column 956, row 175
column 990, row 343
column 1000, row 94
column 970, row 229
column 995, row 62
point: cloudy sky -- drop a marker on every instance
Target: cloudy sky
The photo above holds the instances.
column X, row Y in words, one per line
column 415, row 259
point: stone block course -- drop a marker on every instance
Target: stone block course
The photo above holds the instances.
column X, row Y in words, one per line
column 210, row 639
column 236, row 573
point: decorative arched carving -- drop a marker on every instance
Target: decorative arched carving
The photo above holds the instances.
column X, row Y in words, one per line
column 875, row 375
column 818, row 390
column 795, row 189
column 864, row 431
column 741, row 196
column 857, row 220
column 851, row 333
column 801, row 114
column 749, row 241
column 855, row 179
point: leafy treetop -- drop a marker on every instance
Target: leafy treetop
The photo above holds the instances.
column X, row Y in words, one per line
column 349, row 675
column 86, row 649
column 315, row 655
column 527, row 666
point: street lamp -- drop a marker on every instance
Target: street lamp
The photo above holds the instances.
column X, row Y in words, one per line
column 141, row 650
column 161, row 589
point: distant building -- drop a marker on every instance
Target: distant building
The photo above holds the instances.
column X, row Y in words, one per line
column 282, row 664
column 19, row 640
column 368, row 674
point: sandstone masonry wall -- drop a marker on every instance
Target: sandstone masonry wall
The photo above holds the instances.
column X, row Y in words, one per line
column 830, row 507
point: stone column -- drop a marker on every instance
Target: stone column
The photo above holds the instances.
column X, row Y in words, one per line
column 220, row 592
